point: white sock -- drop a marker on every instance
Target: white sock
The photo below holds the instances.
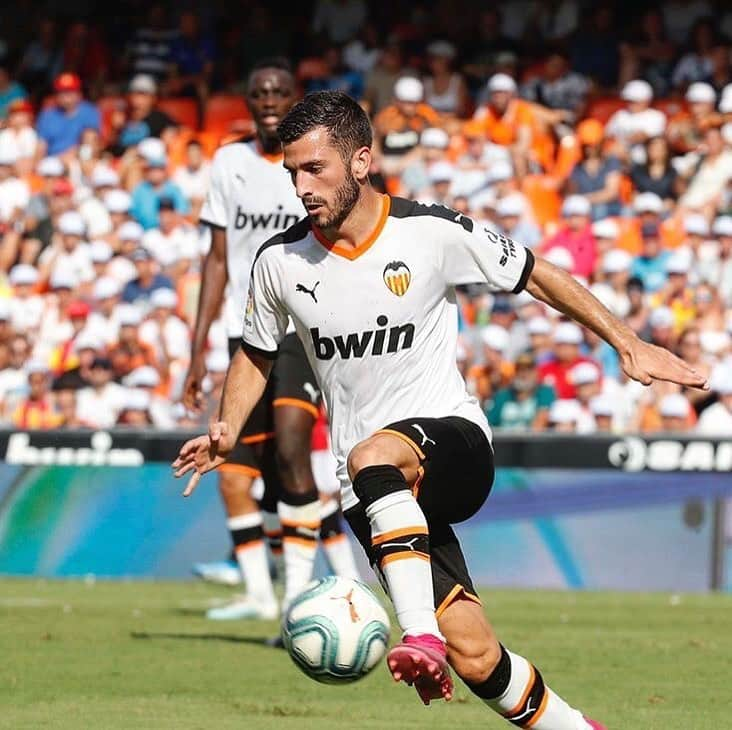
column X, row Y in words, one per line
column 335, row 542
column 300, row 532
column 400, row 535
column 251, row 555
column 528, row 700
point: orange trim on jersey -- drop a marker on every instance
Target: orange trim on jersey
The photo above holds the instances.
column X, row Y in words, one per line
column 297, row 403
column 249, row 471
column 401, row 532
column 354, row 253
column 393, row 557
column 458, row 592
column 256, row 438
column 418, row 481
column 248, row 546
column 540, row 711
column 293, row 523
column 525, row 695
column 303, row 541
column 406, row 440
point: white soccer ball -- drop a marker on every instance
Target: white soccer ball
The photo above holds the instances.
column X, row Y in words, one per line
column 336, row 630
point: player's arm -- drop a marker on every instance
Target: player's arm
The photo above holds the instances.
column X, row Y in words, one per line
column 640, row 360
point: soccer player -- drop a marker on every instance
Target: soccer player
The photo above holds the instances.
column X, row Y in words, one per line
column 250, row 197
column 413, row 447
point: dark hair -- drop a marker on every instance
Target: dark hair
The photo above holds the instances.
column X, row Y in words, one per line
column 278, row 62
column 347, row 123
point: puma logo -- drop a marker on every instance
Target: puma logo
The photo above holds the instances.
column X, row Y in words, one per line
column 351, row 608
column 240, row 178
column 425, row 437
column 529, row 709
column 312, row 391
column 303, row 288
column 409, row 544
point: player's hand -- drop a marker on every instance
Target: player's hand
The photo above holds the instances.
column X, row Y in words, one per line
column 645, row 363
column 203, row 454
column 193, row 386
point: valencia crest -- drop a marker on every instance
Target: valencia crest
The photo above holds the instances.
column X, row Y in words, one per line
column 397, row 277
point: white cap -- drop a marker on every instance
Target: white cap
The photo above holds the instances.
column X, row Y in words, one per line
column 565, row 410
column 100, row 252
column 568, row 333
column 583, row 373
column 217, row 361
column 615, row 260
column 602, row 405
column 576, row 205
column 128, row 315
column 499, row 171
column 655, row 125
column 5, row 313
column 152, row 148
column 144, row 376
column 561, row 257
column 721, row 379
column 35, row 365
column 727, row 132
column 606, row 228
column 435, row 137
column 117, row 201
column 722, row 225
column 700, row 92
column 409, row 89
column 647, row 203
column 441, row 48
column 696, row 223
column 63, row 278
column 484, row 199
column 495, row 337
column 725, row 103
column 673, row 405
column 130, row 231
column 106, row 287
column 441, row 172
column 661, row 317
column 163, row 298
column 104, row 176
column 8, row 154
column 501, row 82
column 71, row 223
column 539, row 326
column 714, row 342
column 679, row 262
column 50, row 167
column 143, row 84
column 522, row 299
column 136, row 400
column 23, row 275
column 637, row 90
column 511, row 205
column 88, row 340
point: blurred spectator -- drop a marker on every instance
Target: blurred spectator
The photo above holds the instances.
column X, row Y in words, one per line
column 431, row 150
column 14, row 192
column 716, row 419
column 138, row 290
column 515, row 220
column 586, row 379
column 135, row 412
column 686, row 128
column 163, row 329
column 564, row 415
column 129, row 352
column 494, row 371
column 64, row 356
column 26, row 305
column 336, row 75
column 150, row 51
column 87, row 347
column 696, row 63
column 567, row 340
column 40, row 62
column 37, row 409
column 524, row 404
column 575, row 235
column 445, row 88
column 594, row 48
column 19, row 136
column 603, row 410
column 676, row 294
column 662, row 326
column 100, row 403
column 10, row 90
column 154, row 187
column 69, row 252
column 61, row 124
column 675, row 413
column 711, row 175
column 85, row 54
column 338, row 21
column 650, row 265
column 689, row 347
column 192, row 176
column 174, row 237
column 13, row 377
column 681, row 15
column 379, row 82
column 656, row 174
column 720, row 273
column 103, row 322
column 638, row 310
column 612, row 289
column 558, row 87
column 147, row 380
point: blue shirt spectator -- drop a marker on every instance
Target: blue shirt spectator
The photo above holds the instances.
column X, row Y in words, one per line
column 9, row 91
column 148, row 196
column 650, row 266
column 138, row 290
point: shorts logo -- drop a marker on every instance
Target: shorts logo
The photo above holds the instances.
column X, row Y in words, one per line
column 397, row 277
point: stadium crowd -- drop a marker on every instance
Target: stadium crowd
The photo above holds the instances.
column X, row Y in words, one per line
column 602, row 141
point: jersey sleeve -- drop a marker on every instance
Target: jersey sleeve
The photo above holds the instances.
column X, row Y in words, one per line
column 213, row 210
column 265, row 319
column 476, row 255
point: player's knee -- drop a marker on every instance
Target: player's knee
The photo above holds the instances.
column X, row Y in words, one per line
column 475, row 660
column 232, row 484
column 364, row 454
column 293, row 453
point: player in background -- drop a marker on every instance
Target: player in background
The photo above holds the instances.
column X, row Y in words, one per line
column 413, row 447
column 250, row 197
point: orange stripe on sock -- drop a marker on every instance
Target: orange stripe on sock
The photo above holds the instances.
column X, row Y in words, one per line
column 315, row 525
column 302, row 541
column 297, row 403
column 406, row 440
column 525, row 695
column 393, row 557
column 401, row 532
column 256, row 438
column 248, row 546
column 249, row 471
column 273, row 533
column 540, row 711
column 334, row 539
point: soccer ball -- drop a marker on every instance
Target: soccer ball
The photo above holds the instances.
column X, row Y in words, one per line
column 336, row 630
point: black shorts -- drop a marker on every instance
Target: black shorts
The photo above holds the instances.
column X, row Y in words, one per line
column 291, row 383
column 456, row 475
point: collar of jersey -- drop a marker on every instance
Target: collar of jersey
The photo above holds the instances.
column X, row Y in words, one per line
column 354, row 253
column 269, row 156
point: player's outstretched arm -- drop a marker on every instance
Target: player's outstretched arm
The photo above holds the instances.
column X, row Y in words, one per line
column 244, row 386
column 640, row 360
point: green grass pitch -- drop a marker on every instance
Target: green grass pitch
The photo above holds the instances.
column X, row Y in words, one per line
column 113, row 655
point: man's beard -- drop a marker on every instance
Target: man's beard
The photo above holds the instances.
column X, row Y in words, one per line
column 346, row 197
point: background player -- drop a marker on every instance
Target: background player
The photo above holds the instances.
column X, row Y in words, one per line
column 249, row 198
column 413, row 446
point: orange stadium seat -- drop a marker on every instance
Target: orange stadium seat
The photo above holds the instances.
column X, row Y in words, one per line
column 543, row 196
column 181, row 108
column 107, row 105
column 670, row 107
column 224, row 114
column 603, row 107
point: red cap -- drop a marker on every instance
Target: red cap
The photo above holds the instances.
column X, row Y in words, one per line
column 62, row 187
column 78, row 308
column 20, row 105
column 67, row 82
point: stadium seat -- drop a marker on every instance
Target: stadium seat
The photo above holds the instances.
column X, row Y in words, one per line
column 181, row 108
column 541, row 192
column 670, row 107
column 224, row 114
column 107, row 106
column 312, row 67
column 603, row 107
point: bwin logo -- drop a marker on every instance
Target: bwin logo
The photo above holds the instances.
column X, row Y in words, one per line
column 400, row 337
column 275, row 220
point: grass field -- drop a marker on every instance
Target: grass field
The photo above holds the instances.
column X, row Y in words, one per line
column 140, row 655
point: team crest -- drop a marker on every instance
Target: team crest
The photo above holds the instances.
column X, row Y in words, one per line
column 397, row 277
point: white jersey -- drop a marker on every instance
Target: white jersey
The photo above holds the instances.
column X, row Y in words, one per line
column 379, row 322
column 250, row 196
